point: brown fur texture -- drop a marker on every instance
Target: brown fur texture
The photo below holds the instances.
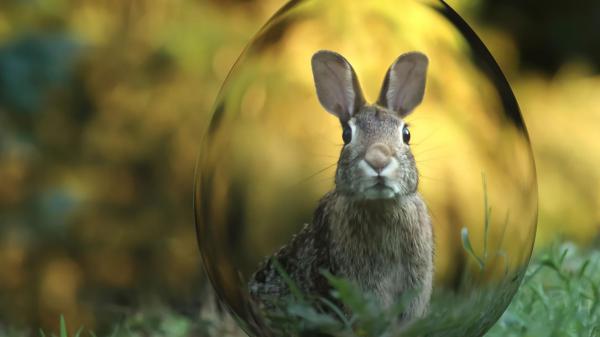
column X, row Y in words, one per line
column 373, row 228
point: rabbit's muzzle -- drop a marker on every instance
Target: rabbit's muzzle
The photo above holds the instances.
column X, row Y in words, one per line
column 378, row 156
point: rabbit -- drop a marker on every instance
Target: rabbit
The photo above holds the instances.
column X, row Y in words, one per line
column 373, row 228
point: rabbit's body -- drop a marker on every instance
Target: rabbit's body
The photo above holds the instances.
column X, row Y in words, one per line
column 373, row 228
column 384, row 248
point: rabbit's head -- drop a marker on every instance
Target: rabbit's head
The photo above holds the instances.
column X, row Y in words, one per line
column 376, row 161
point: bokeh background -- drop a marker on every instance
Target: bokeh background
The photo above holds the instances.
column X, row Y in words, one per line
column 103, row 105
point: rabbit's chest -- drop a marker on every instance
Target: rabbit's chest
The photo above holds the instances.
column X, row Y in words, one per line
column 387, row 253
column 378, row 265
column 390, row 285
column 384, row 261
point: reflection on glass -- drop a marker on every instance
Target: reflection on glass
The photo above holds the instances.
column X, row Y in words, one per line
column 271, row 154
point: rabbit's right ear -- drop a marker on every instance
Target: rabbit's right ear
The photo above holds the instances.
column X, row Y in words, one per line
column 404, row 84
column 337, row 86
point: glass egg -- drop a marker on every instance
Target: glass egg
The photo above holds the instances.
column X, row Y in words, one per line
column 272, row 147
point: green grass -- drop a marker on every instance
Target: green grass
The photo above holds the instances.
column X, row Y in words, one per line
column 560, row 296
column 63, row 332
column 161, row 322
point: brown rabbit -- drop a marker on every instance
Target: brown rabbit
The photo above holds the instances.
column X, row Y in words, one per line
column 373, row 228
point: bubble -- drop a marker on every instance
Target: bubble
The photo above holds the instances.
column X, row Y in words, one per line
column 270, row 153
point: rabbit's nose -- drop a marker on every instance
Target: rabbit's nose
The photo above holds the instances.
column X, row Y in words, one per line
column 378, row 156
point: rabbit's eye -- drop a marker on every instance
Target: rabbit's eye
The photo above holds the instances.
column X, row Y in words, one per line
column 405, row 135
column 347, row 133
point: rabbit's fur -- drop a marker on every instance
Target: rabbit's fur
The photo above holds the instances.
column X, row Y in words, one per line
column 373, row 228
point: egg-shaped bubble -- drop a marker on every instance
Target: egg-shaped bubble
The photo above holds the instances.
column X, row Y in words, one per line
column 271, row 156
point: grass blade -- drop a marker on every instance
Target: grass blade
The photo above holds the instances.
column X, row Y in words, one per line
column 466, row 242
column 63, row 327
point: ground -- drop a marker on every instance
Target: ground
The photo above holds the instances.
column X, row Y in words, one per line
column 560, row 296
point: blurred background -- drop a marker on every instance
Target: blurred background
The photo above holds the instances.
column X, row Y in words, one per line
column 103, row 105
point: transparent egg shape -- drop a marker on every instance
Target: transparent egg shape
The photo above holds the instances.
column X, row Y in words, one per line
column 270, row 153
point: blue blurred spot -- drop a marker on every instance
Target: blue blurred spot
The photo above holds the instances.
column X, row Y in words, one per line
column 31, row 66
column 56, row 208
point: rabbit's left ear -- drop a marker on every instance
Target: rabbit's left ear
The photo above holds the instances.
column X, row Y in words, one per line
column 336, row 83
column 404, row 84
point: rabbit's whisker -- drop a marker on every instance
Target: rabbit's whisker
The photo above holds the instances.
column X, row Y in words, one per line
column 430, row 178
column 426, row 150
column 429, row 159
column 304, row 180
column 426, row 138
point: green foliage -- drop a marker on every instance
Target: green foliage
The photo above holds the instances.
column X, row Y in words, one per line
column 300, row 315
column 63, row 331
column 484, row 258
column 560, row 297
column 156, row 323
column 101, row 113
